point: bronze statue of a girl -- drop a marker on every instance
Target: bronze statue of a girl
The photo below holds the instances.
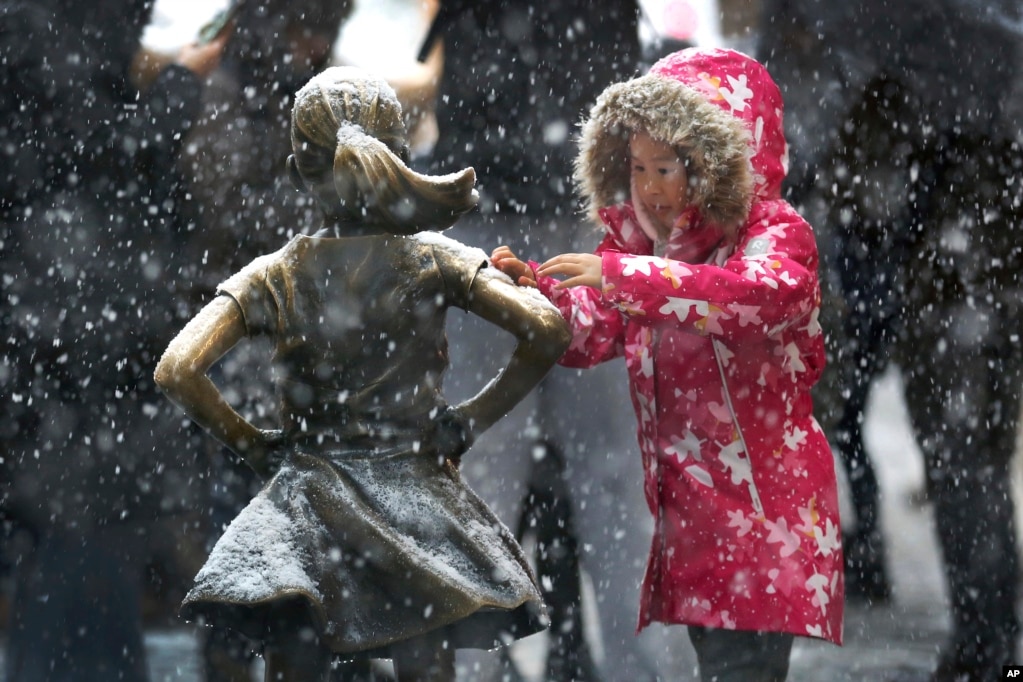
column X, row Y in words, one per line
column 364, row 540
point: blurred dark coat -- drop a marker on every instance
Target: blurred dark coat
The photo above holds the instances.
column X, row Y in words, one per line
column 518, row 78
column 88, row 211
column 242, row 203
column 958, row 58
column 905, row 127
column 871, row 90
column 92, row 455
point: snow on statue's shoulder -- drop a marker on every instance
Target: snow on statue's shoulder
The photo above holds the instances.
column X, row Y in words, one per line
column 473, row 257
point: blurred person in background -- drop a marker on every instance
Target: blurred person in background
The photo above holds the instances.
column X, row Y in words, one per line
column 89, row 215
column 517, row 79
column 241, row 203
column 905, row 129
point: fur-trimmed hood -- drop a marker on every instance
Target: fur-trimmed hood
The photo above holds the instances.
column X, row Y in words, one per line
column 719, row 105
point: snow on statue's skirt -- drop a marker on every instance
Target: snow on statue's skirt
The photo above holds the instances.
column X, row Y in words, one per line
column 381, row 546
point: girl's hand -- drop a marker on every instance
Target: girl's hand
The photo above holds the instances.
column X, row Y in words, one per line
column 578, row 269
column 506, row 261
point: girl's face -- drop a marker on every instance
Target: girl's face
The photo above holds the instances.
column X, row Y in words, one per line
column 659, row 179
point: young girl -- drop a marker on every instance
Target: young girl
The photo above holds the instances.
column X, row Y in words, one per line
column 706, row 281
column 364, row 541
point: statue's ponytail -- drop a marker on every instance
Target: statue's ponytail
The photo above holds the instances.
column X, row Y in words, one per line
column 371, row 178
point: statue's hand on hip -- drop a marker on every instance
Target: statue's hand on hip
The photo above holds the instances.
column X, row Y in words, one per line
column 270, row 455
column 452, row 434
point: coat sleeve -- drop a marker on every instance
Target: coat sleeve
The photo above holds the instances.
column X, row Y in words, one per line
column 768, row 283
column 598, row 328
column 171, row 106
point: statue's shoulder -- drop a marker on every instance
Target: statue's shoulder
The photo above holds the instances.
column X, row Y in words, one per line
column 451, row 251
column 457, row 262
column 258, row 270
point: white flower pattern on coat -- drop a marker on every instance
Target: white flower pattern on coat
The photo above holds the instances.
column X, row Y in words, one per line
column 681, row 307
column 818, row 584
column 734, row 458
column 687, row 446
column 779, row 533
column 642, row 265
column 736, row 519
column 739, row 95
column 747, row 314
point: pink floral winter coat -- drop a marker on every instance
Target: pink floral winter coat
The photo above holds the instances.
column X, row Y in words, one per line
column 721, row 350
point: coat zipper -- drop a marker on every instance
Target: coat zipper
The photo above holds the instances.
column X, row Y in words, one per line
column 659, row 529
column 758, row 507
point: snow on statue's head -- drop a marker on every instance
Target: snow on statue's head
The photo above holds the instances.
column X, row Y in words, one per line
column 350, row 151
column 342, row 97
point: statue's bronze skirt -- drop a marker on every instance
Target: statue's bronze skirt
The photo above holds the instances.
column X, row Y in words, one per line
column 381, row 546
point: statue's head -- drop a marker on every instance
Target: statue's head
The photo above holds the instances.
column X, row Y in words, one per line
column 346, row 96
column 350, row 151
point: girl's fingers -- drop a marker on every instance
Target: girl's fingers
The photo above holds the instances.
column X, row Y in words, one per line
column 505, row 260
column 527, row 281
column 508, row 264
column 569, row 269
column 562, row 258
column 578, row 269
column 568, row 260
column 570, row 282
